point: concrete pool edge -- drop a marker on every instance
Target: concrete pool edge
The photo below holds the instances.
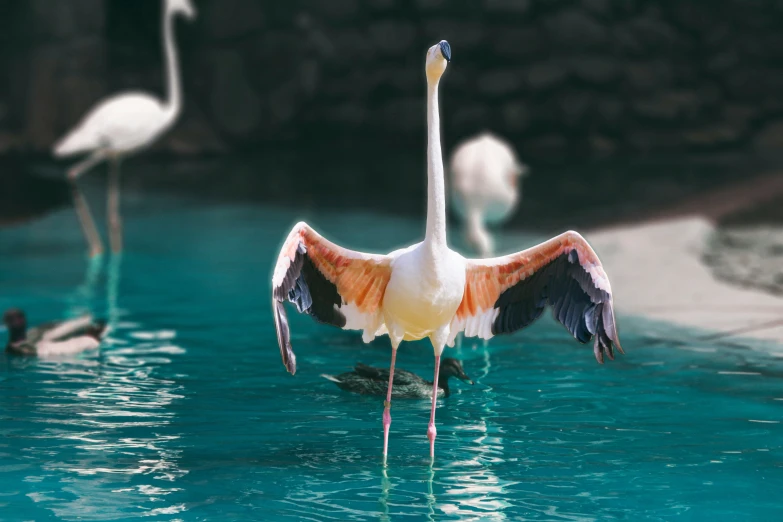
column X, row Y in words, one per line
column 657, row 273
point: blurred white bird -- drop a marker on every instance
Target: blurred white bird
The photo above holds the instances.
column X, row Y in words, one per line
column 485, row 177
column 122, row 125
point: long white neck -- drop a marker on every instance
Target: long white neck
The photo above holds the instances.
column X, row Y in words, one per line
column 436, row 190
column 174, row 101
column 477, row 233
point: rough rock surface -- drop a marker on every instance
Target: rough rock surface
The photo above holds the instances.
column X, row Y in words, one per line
column 578, row 78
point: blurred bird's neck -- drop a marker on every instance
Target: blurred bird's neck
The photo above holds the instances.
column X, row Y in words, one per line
column 436, row 191
column 174, row 88
column 477, row 233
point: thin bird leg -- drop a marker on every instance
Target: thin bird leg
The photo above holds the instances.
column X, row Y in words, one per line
column 431, row 431
column 115, row 222
column 85, row 165
column 86, row 221
column 387, row 406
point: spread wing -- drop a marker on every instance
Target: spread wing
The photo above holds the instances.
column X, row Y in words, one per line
column 332, row 284
column 505, row 294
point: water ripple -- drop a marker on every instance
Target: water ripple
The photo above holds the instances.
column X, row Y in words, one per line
column 187, row 413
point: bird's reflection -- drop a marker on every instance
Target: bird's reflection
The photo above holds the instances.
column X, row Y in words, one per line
column 81, row 301
column 481, row 489
column 109, row 427
column 113, row 290
column 431, row 500
column 85, row 298
column 384, row 500
column 473, row 486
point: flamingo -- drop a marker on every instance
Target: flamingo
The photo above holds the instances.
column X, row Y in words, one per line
column 429, row 291
column 485, row 176
column 119, row 126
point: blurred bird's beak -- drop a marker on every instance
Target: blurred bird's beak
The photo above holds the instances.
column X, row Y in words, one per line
column 465, row 378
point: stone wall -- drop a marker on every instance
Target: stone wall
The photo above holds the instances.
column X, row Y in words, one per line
column 53, row 60
column 579, row 78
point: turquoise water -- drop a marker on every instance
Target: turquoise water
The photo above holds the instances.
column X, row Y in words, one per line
column 187, row 413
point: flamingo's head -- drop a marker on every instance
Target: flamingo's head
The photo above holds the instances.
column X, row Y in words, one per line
column 438, row 57
column 183, row 7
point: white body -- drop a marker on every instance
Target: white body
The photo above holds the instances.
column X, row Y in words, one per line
column 121, row 125
column 423, row 294
column 128, row 122
column 484, row 175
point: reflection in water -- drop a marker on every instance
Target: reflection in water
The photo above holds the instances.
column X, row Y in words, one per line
column 113, row 419
column 470, row 490
column 384, row 500
column 105, row 444
column 113, row 289
column 431, row 501
column 480, row 491
column 116, row 435
column 81, row 300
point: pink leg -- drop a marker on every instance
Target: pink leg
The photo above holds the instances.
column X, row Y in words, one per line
column 387, row 406
column 431, row 431
column 86, row 221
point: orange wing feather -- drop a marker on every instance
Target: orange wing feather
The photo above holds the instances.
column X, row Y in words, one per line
column 507, row 293
column 335, row 285
column 488, row 278
column 360, row 278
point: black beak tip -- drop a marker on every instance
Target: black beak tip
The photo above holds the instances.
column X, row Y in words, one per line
column 445, row 50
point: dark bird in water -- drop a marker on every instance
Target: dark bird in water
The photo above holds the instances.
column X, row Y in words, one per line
column 368, row 380
column 52, row 338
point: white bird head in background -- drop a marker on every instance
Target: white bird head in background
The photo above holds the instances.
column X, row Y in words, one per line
column 485, row 177
column 183, row 7
column 438, row 57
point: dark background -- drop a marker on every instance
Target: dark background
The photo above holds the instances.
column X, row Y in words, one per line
column 581, row 78
column 621, row 107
